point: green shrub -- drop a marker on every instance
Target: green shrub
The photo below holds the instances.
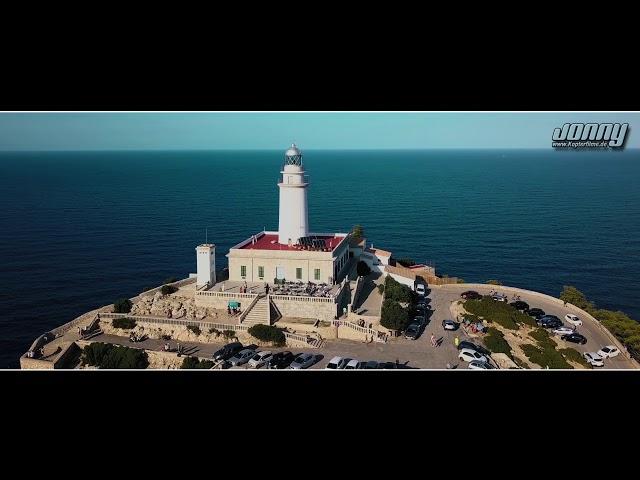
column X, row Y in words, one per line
column 268, row 333
column 215, row 331
column 228, row 334
column 363, row 269
column 381, row 288
column 495, row 342
column 543, row 338
column 573, row 355
column 393, row 316
column 193, row 363
column 109, row 356
column 545, row 357
column 195, row 329
column 168, row 289
column 357, row 233
column 494, row 282
column 524, row 319
column 122, row 305
column 499, row 312
column 576, row 297
column 165, row 337
column 125, row 323
column 406, row 262
column 397, row 291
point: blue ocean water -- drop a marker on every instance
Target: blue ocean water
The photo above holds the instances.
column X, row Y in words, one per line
column 81, row 229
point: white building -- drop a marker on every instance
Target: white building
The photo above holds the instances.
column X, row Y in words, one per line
column 291, row 253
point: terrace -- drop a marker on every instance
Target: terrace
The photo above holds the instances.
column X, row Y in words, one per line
column 298, row 289
column 269, row 241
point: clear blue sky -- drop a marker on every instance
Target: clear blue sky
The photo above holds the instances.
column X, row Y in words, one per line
column 116, row 131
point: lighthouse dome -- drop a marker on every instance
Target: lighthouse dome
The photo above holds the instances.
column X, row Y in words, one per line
column 293, row 151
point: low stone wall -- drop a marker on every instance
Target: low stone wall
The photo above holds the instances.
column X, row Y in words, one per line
column 68, row 350
column 461, row 287
column 305, row 308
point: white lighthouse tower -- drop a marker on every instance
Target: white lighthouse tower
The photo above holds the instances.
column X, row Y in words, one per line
column 293, row 221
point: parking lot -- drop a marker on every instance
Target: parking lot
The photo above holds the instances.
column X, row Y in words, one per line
column 411, row 354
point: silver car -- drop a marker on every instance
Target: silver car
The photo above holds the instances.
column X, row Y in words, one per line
column 302, row 361
column 242, row 357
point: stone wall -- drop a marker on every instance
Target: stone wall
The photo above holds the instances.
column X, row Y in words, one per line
column 306, row 308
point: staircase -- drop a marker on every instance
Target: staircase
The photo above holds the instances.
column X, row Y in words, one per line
column 259, row 313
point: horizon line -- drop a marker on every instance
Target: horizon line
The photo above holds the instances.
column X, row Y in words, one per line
column 84, row 150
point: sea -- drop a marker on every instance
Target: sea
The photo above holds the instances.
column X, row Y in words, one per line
column 81, row 229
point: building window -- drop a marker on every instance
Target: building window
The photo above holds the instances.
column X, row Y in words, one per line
column 261, row 272
column 298, row 274
column 316, row 274
column 243, row 271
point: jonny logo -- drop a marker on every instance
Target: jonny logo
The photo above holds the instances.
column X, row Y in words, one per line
column 590, row 135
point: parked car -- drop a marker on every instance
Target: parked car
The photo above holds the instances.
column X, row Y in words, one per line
column 549, row 321
column 352, row 365
column 575, row 338
column 413, row 331
column 260, row 359
column 500, row 297
column 535, row 312
column 387, row 366
column 302, row 361
column 420, row 289
column 343, row 363
column 449, row 325
column 573, row 319
column 281, row 360
column 473, row 346
column 242, row 357
column 609, row 351
column 520, row 305
column 469, row 355
column 594, row 359
column 333, row 363
column 420, row 320
column 478, row 365
column 563, row 331
column 470, row 295
column 421, row 303
column 228, row 351
column 370, row 365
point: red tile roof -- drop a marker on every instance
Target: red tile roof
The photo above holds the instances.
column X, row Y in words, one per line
column 269, row 241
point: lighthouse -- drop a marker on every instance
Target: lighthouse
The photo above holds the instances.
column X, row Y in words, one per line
column 293, row 219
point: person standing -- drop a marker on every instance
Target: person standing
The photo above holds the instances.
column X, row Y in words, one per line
column 433, row 340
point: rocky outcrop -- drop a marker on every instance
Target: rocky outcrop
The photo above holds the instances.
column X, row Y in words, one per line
column 170, row 306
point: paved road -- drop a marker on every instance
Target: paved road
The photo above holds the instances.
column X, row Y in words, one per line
column 414, row 353
column 596, row 339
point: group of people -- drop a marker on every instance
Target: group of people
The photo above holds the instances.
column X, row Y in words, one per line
column 32, row 353
column 245, row 287
column 233, row 310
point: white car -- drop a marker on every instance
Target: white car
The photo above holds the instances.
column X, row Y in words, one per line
column 469, row 355
column 260, row 359
column 573, row 319
column 334, row 363
column 500, row 298
column 594, row 359
column 478, row 365
column 563, row 331
column 608, row 352
column 352, row 365
column 420, row 290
